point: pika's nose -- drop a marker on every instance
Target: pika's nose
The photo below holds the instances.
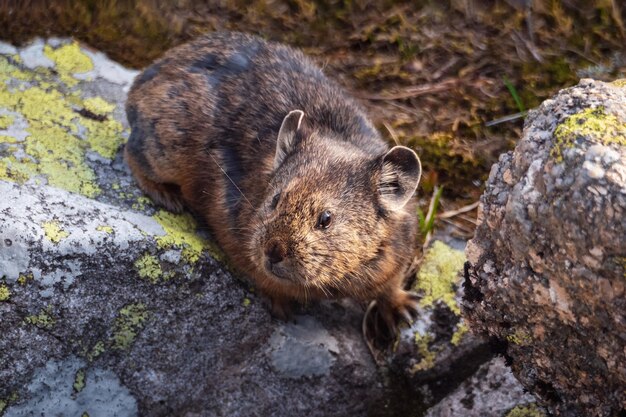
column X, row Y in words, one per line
column 275, row 251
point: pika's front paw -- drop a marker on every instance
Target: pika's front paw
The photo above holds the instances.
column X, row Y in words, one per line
column 281, row 308
column 401, row 306
column 167, row 197
column 381, row 320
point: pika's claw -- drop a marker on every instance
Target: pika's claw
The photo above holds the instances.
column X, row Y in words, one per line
column 281, row 309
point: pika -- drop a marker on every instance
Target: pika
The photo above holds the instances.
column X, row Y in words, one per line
column 294, row 182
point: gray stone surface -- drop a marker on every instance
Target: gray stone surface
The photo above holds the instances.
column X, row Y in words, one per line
column 547, row 273
column 98, row 285
column 491, row 392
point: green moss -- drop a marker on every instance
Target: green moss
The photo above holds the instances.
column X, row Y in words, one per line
column 79, row 381
column 459, row 333
column 5, row 121
column 43, row 320
column 148, row 267
column 180, row 232
column 130, row 321
column 520, row 338
column 5, row 294
column 592, row 124
column 53, row 232
column 438, row 276
column 428, row 356
column 530, row 410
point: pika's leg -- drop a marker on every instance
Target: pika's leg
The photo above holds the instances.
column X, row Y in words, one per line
column 397, row 305
column 167, row 195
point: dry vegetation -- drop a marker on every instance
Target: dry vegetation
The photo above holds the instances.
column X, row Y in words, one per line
column 432, row 73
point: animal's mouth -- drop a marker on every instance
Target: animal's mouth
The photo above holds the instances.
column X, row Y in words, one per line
column 277, row 270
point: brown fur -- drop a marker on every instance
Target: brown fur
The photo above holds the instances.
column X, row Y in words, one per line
column 205, row 123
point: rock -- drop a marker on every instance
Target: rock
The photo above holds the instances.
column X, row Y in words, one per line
column 432, row 357
column 113, row 307
column 547, row 268
column 492, row 391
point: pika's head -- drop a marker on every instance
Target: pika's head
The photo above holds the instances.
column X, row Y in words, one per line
column 330, row 212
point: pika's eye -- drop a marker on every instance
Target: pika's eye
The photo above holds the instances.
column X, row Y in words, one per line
column 275, row 201
column 324, row 220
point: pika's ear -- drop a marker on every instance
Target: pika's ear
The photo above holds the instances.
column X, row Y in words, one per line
column 401, row 171
column 287, row 136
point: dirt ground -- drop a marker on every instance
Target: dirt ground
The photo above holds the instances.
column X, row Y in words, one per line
column 450, row 78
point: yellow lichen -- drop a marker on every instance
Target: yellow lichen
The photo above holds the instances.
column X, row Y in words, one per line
column 69, row 60
column 148, row 267
column 130, row 321
column 53, row 151
column 459, row 333
column 439, row 275
column 519, row 337
column 530, row 410
column 105, row 229
column 180, row 232
column 5, row 294
column 79, row 380
column 104, row 137
column 98, row 105
column 141, row 203
column 5, row 121
column 594, row 124
column 620, row 82
column 58, row 154
column 53, row 231
column 43, row 320
column 97, row 350
column 428, row 356
column 23, row 279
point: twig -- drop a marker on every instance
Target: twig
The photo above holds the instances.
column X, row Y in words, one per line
column 464, row 229
column 505, row 119
column 617, row 16
column 416, row 91
column 451, row 213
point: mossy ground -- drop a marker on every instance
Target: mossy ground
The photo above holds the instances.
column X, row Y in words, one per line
column 432, row 73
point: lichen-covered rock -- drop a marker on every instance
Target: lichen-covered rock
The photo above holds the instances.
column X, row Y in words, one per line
column 436, row 353
column 492, row 391
column 110, row 306
column 547, row 271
